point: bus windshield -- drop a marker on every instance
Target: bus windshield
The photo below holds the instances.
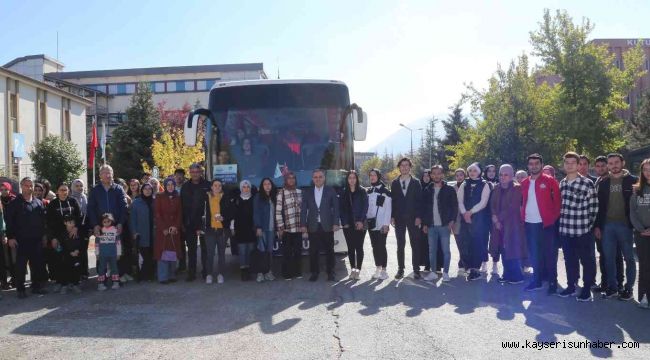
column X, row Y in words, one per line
column 267, row 131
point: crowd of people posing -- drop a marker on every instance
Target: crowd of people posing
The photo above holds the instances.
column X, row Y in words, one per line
column 149, row 231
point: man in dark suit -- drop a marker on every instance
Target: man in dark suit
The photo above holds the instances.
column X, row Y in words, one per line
column 406, row 193
column 319, row 217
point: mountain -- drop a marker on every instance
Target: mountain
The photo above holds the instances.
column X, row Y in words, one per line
column 400, row 141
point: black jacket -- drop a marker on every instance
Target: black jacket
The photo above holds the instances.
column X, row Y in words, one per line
column 193, row 197
column 447, row 204
column 406, row 207
column 57, row 210
column 603, row 198
column 25, row 220
column 354, row 206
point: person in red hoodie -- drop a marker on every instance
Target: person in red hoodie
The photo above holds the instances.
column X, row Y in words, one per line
column 540, row 210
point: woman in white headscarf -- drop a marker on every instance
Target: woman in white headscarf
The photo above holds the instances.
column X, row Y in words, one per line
column 243, row 227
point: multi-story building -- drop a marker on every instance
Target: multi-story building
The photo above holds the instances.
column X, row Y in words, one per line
column 30, row 110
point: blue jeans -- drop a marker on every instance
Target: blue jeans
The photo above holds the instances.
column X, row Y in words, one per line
column 619, row 234
column 542, row 243
column 439, row 234
column 245, row 254
column 269, row 240
column 106, row 263
column 512, row 270
column 166, row 270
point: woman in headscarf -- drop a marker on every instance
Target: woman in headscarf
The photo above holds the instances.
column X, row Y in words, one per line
column 142, row 230
column 168, row 220
column 243, row 227
column 77, row 192
column 473, row 198
column 378, row 215
column 508, row 236
column 490, row 175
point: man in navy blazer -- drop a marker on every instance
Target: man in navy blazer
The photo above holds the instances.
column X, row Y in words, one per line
column 406, row 193
column 319, row 218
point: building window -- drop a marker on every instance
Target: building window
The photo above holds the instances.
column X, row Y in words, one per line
column 171, row 86
column 159, row 87
column 130, row 89
column 189, row 85
column 13, row 113
column 42, row 120
column 112, row 89
column 210, row 83
column 180, row 86
column 67, row 133
column 647, row 64
column 201, row 85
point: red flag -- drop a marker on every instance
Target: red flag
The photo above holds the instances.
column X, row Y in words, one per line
column 94, row 144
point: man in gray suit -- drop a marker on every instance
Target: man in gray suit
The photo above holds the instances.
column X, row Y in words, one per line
column 319, row 217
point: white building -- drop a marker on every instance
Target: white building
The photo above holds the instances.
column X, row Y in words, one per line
column 30, row 110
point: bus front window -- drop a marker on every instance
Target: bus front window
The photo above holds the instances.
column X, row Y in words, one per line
column 270, row 142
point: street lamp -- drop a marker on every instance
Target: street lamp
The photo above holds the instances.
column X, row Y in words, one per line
column 411, row 130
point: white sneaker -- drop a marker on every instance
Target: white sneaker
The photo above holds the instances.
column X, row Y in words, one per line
column 445, row 277
column 432, row 276
column 208, row 279
column 116, row 286
column 383, row 275
column 260, row 277
column 644, row 303
column 101, row 287
column 377, row 273
column 484, row 267
column 269, row 276
column 495, row 268
column 219, row 279
column 357, row 276
column 353, row 273
column 528, row 270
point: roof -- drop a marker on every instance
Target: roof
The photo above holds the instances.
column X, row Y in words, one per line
column 223, row 84
column 31, row 57
column 40, row 84
column 157, row 71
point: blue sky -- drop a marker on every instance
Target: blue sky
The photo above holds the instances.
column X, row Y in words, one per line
column 402, row 60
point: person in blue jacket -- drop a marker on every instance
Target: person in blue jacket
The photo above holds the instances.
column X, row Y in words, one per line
column 264, row 220
column 106, row 197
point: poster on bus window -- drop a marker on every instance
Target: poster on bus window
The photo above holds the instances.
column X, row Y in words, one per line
column 227, row 173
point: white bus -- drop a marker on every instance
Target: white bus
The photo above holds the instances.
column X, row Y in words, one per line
column 263, row 128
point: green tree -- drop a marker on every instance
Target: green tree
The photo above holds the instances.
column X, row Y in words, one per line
column 133, row 138
column 592, row 88
column 454, row 126
column 638, row 128
column 427, row 153
column 57, row 160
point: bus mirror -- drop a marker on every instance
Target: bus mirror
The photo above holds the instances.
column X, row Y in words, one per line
column 360, row 124
column 191, row 128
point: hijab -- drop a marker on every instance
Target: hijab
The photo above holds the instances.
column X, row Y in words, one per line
column 241, row 187
column 81, row 198
column 167, row 181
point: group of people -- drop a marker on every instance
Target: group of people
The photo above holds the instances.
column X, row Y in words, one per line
column 521, row 219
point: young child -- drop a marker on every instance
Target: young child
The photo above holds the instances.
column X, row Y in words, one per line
column 71, row 247
column 108, row 249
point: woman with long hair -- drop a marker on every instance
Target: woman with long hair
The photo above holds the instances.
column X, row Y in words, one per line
column 215, row 238
column 640, row 218
column 264, row 219
column 353, row 211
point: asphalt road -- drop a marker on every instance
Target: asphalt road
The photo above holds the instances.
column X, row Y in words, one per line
column 296, row 319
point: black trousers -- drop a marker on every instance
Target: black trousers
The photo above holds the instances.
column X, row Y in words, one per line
column 424, row 255
column 30, row 250
column 148, row 266
column 6, row 264
column 354, row 239
column 603, row 268
column 579, row 250
column 83, row 255
column 321, row 241
column 128, row 259
column 643, row 253
column 70, row 272
column 401, row 227
column 192, row 247
column 291, row 254
column 378, row 241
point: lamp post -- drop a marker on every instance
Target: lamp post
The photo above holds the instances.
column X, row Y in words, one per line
column 411, row 130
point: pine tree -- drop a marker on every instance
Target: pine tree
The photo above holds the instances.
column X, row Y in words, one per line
column 133, row 138
column 454, row 126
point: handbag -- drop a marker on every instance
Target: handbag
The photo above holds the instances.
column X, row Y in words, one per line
column 168, row 255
